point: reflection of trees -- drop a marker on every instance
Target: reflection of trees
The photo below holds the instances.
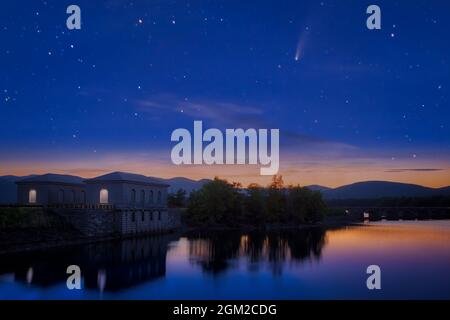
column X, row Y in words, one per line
column 115, row 265
column 277, row 251
column 215, row 252
column 306, row 245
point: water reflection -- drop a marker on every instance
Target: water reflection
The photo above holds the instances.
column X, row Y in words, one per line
column 117, row 265
column 216, row 252
column 301, row 264
column 106, row 266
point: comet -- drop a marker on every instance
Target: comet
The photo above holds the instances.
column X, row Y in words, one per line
column 299, row 51
column 300, row 47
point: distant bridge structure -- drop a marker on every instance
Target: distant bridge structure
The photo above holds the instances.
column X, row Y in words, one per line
column 396, row 213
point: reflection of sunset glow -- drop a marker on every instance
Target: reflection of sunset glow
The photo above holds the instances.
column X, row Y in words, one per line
column 390, row 237
column 393, row 241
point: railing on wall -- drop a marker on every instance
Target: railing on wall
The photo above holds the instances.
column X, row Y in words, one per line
column 146, row 207
column 83, row 206
column 98, row 206
column 17, row 205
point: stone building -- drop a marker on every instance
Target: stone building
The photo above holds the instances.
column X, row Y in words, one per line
column 51, row 189
column 118, row 202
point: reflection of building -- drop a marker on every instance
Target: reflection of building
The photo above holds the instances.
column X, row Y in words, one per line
column 107, row 266
column 116, row 202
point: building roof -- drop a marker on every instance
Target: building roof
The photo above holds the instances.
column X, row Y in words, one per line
column 127, row 177
column 52, row 178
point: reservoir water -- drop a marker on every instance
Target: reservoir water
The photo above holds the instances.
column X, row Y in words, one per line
column 310, row 263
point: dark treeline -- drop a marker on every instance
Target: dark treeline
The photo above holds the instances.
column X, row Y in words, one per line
column 220, row 203
column 427, row 202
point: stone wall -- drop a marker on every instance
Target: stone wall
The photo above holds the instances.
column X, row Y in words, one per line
column 97, row 222
column 147, row 221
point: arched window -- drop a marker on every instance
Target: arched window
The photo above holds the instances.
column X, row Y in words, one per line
column 32, row 195
column 83, row 197
column 159, row 197
column 61, row 196
column 133, row 196
column 142, row 198
column 104, row 196
column 151, row 197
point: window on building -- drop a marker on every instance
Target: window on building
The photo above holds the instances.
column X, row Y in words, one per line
column 142, row 198
column 104, row 196
column 151, row 197
column 133, row 196
column 143, row 216
column 159, row 197
column 159, row 215
column 32, row 195
column 151, row 216
column 133, row 216
column 72, row 196
column 83, row 197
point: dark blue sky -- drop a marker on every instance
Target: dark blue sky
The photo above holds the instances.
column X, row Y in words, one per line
column 110, row 94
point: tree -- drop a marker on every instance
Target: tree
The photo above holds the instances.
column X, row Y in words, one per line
column 177, row 199
column 305, row 205
column 276, row 201
column 217, row 202
column 221, row 203
column 255, row 204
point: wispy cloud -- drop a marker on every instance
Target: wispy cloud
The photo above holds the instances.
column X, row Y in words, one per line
column 233, row 115
column 414, row 170
column 219, row 113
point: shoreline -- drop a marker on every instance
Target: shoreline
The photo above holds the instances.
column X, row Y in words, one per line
column 33, row 245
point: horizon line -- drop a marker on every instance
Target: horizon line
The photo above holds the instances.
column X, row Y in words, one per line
column 208, row 178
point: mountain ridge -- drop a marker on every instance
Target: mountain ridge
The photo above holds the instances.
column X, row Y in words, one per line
column 371, row 189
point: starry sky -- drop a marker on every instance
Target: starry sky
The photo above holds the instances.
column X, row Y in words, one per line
column 355, row 105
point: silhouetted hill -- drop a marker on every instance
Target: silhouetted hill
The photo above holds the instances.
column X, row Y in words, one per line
column 382, row 189
column 316, row 187
column 358, row 190
column 185, row 184
column 8, row 188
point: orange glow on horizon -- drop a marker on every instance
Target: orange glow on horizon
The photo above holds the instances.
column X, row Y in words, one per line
column 325, row 174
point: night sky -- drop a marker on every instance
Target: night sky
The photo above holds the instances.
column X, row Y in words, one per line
column 356, row 105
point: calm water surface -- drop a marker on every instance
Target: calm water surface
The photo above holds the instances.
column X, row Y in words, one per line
column 309, row 264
